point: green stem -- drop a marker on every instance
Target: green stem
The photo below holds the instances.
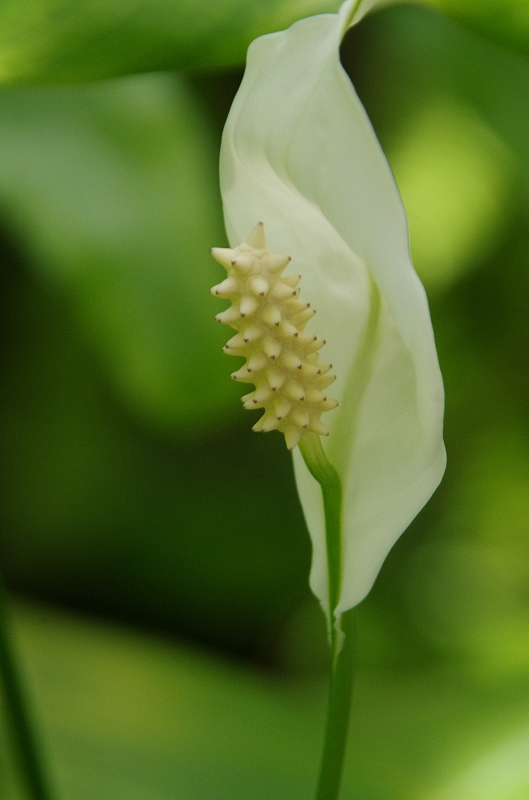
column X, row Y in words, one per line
column 17, row 710
column 338, row 712
column 342, row 630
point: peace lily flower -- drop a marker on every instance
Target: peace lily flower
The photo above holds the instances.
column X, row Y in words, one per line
column 299, row 154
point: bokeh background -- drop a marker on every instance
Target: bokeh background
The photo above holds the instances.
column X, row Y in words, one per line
column 153, row 547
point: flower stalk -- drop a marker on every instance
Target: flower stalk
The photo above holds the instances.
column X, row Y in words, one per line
column 22, row 731
column 338, row 710
column 341, row 630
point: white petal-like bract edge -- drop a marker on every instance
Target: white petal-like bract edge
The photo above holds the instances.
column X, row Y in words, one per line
column 299, row 154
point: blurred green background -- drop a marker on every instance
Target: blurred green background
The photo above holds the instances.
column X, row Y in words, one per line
column 154, row 547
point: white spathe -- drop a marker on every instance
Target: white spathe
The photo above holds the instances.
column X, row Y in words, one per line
column 299, row 153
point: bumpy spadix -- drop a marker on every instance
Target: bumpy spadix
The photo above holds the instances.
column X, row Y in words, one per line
column 282, row 358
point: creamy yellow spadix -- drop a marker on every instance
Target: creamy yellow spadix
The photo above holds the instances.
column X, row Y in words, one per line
column 282, row 358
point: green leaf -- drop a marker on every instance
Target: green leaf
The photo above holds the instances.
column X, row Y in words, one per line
column 112, row 190
column 48, row 41
column 505, row 21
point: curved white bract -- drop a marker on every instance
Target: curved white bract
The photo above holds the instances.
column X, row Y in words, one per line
column 299, row 153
